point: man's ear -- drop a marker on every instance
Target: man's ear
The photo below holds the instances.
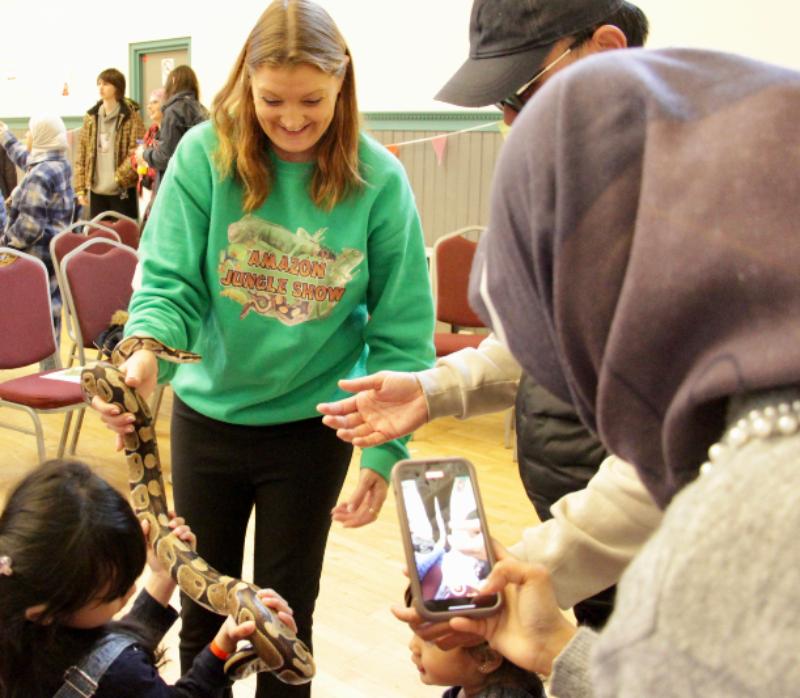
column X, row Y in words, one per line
column 608, row 37
column 34, row 613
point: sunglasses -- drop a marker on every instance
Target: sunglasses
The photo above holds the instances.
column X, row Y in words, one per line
column 517, row 100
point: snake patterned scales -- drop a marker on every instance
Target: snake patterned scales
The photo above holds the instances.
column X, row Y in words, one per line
column 274, row 646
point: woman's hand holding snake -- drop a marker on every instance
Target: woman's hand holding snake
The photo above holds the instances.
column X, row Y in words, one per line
column 275, row 645
column 141, row 372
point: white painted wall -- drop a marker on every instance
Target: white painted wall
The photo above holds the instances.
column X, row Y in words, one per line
column 403, row 50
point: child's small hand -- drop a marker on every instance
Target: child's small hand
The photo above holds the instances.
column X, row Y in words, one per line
column 231, row 632
column 180, row 528
column 160, row 584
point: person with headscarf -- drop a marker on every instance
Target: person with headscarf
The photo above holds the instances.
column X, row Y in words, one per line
column 42, row 204
column 641, row 262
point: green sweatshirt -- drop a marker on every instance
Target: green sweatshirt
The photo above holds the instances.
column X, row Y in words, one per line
column 284, row 302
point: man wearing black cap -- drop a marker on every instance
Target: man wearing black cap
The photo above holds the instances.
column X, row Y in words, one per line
column 515, row 46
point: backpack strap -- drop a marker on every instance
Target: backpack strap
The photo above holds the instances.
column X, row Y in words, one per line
column 81, row 680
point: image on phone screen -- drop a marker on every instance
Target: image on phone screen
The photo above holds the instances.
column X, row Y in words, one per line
column 447, row 537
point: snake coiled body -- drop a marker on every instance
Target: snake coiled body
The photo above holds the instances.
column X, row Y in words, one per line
column 275, row 647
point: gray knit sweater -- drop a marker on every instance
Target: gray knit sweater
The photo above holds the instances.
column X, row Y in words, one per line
column 711, row 606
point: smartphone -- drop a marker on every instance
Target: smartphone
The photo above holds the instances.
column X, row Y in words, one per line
column 445, row 537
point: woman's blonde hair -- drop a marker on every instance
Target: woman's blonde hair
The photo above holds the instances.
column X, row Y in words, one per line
column 289, row 33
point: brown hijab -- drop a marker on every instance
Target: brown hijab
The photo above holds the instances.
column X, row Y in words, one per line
column 643, row 252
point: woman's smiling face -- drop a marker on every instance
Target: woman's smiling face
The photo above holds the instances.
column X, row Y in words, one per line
column 294, row 106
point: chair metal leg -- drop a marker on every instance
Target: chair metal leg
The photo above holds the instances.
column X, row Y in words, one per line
column 77, row 430
column 37, row 425
column 62, row 442
column 73, row 350
column 509, row 428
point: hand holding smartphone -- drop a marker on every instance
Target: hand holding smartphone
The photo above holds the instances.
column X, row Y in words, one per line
column 445, row 537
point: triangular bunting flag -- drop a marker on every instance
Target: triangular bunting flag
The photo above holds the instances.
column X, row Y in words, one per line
column 394, row 150
column 439, row 144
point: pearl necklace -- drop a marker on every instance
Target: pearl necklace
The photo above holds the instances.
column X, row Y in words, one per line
column 782, row 419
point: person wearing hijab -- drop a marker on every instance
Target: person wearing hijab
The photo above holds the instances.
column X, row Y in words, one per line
column 641, row 262
column 42, row 203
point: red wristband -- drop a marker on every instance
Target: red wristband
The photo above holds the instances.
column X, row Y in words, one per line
column 218, row 652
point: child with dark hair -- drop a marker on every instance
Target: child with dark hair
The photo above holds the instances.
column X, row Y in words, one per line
column 71, row 549
column 479, row 671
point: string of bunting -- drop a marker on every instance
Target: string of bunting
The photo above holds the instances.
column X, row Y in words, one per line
column 439, row 143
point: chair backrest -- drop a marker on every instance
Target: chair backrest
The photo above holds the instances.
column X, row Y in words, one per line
column 127, row 228
column 26, row 323
column 451, row 262
column 74, row 235
column 67, row 240
column 96, row 286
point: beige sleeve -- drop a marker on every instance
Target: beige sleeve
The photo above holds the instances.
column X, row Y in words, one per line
column 471, row 381
column 594, row 532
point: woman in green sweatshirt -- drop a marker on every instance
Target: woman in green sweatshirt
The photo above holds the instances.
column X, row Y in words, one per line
column 286, row 249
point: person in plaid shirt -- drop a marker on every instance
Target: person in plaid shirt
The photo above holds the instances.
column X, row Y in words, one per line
column 43, row 202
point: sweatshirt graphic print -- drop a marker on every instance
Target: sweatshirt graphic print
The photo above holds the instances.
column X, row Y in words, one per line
column 292, row 277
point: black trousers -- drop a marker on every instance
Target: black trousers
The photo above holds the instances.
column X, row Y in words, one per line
column 292, row 473
column 127, row 206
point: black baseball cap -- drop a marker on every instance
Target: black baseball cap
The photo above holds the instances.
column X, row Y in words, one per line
column 509, row 39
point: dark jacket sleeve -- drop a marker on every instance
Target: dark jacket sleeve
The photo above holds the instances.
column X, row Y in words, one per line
column 178, row 118
column 133, row 675
column 556, row 453
column 151, row 614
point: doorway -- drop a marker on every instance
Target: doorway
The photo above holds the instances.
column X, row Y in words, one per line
column 151, row 62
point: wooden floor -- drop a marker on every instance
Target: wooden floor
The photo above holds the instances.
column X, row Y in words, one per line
column 360, row 649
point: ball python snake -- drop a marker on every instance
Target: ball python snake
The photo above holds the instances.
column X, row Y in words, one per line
column 274, row 646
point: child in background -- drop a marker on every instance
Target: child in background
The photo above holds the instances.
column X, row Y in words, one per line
column 471, row 672
column 71, row 549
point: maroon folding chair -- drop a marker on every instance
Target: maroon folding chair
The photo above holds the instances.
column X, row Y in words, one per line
column 26, row 337
column 63, row 243
column 126, row 227
column 451, row 262
column 97, row 277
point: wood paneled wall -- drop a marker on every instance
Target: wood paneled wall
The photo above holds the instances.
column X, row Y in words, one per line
column 456, row 193
column 449, row 196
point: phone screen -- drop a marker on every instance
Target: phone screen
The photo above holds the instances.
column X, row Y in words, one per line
column 448, row 537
